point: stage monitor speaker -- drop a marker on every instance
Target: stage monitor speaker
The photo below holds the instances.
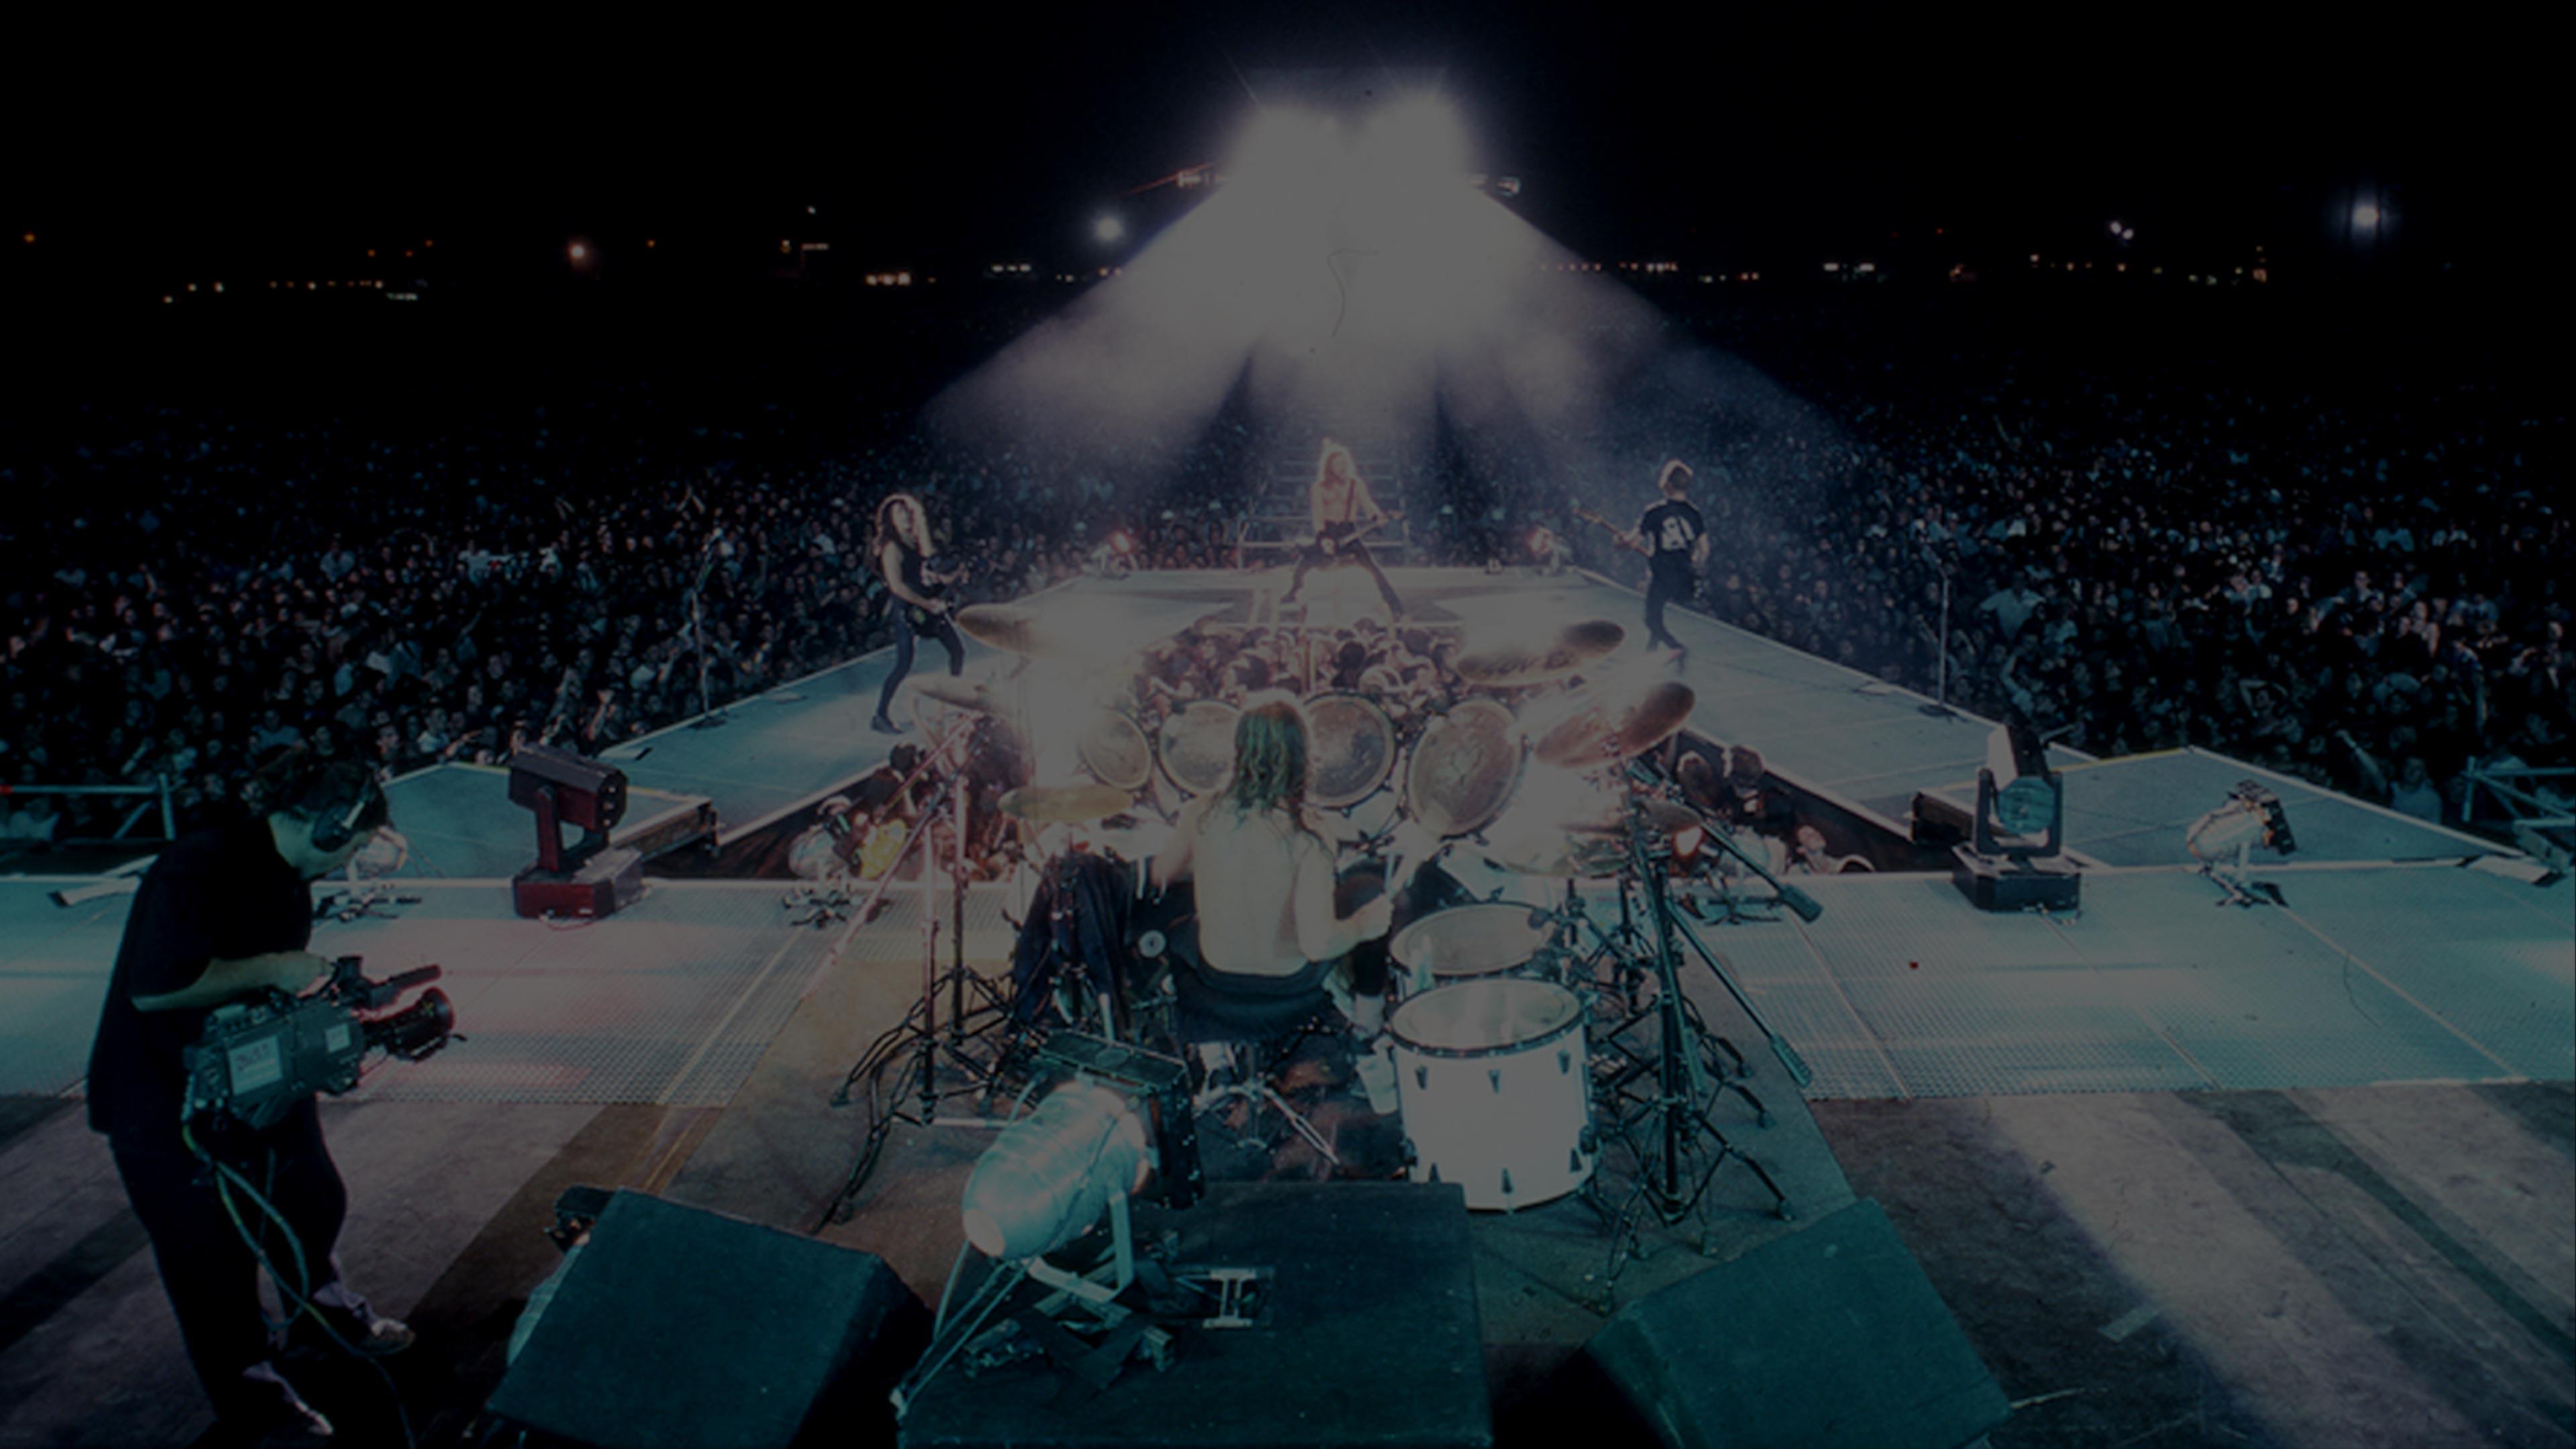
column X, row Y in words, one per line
column 677, row 1328
column 1828, row 1338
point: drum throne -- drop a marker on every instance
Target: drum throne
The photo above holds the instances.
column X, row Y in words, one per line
column 1243, row 1030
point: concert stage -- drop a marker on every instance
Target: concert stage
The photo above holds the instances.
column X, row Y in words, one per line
column 2295, row 1173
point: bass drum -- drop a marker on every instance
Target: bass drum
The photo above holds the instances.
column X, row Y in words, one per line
column 1495, row 1083
column 1464, row 768
column 1198, row 747
column 1351, row 744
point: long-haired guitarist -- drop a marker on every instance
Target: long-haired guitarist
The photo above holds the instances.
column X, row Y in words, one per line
column 900, row 546
column 1344, row 512
column 1674, row 540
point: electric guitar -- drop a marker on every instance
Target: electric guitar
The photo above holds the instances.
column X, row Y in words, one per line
column 1332, row 537
column 1618, row 535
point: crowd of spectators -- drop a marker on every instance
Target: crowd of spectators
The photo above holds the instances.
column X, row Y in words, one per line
column 2362, row 586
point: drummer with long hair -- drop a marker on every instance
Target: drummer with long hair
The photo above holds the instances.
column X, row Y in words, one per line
column 900, row 546
column 1264, row 869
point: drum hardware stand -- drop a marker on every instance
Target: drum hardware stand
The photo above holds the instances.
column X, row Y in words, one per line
column 921, row 1042
column 1678, row 1115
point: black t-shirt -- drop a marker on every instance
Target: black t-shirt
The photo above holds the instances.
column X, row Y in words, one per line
column 219, row 894
column 1670, row 530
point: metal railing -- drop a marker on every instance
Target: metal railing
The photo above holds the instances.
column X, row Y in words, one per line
column 159, row 792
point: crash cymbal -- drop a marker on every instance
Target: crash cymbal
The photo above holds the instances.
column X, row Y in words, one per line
column 1508, row 662
column 975, row 694
column 1013, row 630
column 1065, row 804
column 1608, row 816
column 1617, row 722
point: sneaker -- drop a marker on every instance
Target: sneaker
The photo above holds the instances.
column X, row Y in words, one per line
column 330, row 1328
column 884, row 726
column 1377, row 1076
column 272, row 1415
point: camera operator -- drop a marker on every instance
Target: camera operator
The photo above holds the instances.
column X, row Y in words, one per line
column 224, row 914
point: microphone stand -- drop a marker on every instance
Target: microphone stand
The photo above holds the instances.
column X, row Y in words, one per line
column 1940, row 708
column 1676, row 1120
column 920, row 1043
column 707, row 718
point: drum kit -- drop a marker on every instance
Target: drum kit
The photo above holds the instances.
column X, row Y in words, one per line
column 1516, row 1035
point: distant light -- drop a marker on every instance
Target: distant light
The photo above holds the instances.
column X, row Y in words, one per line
column 1866, row 267
column 809, row 211
column 579, row 252
column 1108, row 229
column 192, row 286
column 406, row 253
column 2365, row 216
column 371, row 251
column 1833, row 266
column 2115, row 228
column 219, row 286
column 167, row 299
column 648, row 243
column 29, row 238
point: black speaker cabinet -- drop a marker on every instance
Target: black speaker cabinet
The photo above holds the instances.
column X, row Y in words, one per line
column 678, row 1328
column 1829, row 1338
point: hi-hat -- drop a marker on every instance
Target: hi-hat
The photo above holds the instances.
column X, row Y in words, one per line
column 1065, row 804
column 1616, row 723
column 1508, row 663
column 1558, row 854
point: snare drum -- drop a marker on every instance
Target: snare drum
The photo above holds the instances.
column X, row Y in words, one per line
column 1464, row 943
column 1495, row 1085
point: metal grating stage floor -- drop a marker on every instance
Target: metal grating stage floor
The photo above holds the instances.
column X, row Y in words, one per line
column 2369, row 975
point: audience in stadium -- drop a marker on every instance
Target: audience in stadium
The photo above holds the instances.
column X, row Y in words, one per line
column 2362, row 591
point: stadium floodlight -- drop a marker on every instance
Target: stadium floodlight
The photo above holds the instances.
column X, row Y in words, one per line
column 2366, row 216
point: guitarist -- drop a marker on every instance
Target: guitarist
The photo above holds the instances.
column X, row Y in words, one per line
column 901, row 549
column 1674, row 540
column 1343, row 510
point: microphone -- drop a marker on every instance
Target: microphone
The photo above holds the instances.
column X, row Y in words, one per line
column 1801, row 902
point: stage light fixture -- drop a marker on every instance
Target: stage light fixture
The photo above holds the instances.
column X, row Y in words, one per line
column 1048, row 1178
column 585, row 878
column 2002, row 867
column 1108, row 229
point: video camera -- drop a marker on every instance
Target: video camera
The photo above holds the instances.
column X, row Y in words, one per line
column 256, row 1059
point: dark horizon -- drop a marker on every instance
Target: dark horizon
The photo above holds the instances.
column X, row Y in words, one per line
column 1720, row 142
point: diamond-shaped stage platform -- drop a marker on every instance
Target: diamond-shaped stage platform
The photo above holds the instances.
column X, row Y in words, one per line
column 2353, row 1089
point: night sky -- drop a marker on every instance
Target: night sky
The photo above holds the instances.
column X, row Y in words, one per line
column 1733, row 136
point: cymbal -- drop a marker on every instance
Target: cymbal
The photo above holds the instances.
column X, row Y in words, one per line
column 1607, row 815
column 975, row 694
column 1558, row 854
column 1624, row 721
column 1005, row 627
column 1512, row 662
column 1065, row 804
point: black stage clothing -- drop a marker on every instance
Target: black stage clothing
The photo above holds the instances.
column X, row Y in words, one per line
column 1669, row 531
column 218, row 894
column 911, row 620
